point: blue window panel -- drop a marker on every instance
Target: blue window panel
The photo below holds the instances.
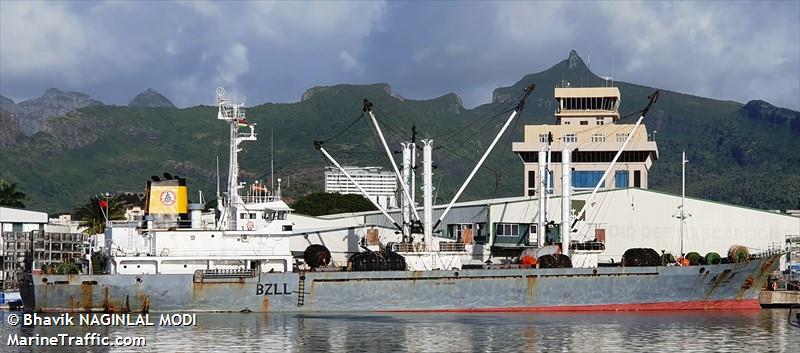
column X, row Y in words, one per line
column 586, row 178
column 621, row 179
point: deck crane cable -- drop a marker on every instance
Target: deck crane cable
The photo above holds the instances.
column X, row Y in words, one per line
column 396, row 131
column 498, row 136
column 342, row 131
column 453, row 150
column 498, row 110
column 482, row 128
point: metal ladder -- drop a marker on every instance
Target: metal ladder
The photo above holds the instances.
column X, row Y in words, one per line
column 301, row 289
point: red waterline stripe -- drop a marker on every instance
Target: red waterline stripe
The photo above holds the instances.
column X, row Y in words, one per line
column 690, row 305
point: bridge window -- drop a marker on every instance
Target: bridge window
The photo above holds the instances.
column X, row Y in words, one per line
column 507, row 230
column 621, row 179
column 586, row 178
column 542, row 137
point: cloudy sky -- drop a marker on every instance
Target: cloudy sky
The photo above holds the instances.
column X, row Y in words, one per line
column 273, row 52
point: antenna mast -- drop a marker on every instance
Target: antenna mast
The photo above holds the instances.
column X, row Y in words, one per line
column 272, row 159
column 234, row 115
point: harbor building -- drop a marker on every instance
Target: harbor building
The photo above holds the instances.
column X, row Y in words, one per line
column 380, row 185
column 22, row 230
column 587, row 123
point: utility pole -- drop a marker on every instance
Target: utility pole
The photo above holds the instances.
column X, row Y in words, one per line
column 683, row 195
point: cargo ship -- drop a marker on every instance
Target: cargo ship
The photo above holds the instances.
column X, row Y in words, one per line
column 246, row 256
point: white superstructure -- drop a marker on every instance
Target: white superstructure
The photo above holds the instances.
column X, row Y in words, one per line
column 250, row 230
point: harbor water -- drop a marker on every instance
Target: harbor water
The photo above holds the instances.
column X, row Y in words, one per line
column 764, row 330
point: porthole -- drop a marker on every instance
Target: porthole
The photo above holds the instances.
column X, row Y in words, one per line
column 44, row 280
column 702, row 269
column 138, row 279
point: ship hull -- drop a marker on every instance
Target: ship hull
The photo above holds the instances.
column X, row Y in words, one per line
column 724, row 286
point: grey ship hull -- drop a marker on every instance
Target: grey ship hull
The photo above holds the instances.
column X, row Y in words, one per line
column 722, row 286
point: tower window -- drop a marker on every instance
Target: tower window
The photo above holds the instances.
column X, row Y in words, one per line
column 542, row 137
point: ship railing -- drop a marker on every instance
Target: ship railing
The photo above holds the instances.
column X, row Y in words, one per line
column 160, row 224
column 771, row 251
column 258, row 198
column 448, row 246
column 419, row 247
column 589, row 245
column 224, row 273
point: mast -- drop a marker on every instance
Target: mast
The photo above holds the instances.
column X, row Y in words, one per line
column 566, row 199
column 542, row 207
column 234, row 115
column 413, row 188
column 272, row 160
column 406, row 203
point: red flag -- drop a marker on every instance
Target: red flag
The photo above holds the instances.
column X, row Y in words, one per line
column 103, row 203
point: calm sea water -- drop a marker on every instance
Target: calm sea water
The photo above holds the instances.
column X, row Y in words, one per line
column 685, row 331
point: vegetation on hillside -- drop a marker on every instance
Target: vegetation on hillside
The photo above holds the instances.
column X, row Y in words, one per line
column 735, row 155
column 321, row 203
column 10, row 196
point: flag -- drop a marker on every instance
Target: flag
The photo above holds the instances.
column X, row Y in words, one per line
column 103, row 203
column 242, row 123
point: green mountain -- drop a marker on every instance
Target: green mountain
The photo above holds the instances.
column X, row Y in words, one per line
column 742, row 154
column 152, row 99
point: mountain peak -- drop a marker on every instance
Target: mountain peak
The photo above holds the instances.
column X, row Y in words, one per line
column 53, row 102
column 575, row 61
column 152, row 99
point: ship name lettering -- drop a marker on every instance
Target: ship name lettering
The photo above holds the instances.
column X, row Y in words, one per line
column 272, row 289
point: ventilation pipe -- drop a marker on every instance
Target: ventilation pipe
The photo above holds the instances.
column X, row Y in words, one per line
column 540, row 230
column 566, row 196
column 427, row 193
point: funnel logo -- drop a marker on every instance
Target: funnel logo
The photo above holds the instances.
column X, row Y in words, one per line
column 168, row 198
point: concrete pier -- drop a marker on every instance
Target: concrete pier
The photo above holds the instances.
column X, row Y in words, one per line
column 778, row 299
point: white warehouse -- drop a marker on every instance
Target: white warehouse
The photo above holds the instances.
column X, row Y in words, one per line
column 626, row 218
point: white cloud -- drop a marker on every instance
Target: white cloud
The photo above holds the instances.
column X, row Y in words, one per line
column 276, row 50
column 37, row 35
column 349, row 63
column 234, row 64
column 170, row 48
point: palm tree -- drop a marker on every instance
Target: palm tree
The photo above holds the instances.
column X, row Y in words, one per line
column 9, row 196
column 91, row 216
